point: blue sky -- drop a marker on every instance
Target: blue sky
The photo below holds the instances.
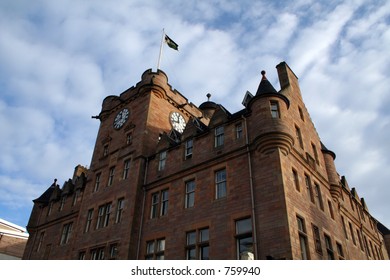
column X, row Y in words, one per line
column 59, row 59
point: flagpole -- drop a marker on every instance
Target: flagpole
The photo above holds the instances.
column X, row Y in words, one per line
column 161, row 49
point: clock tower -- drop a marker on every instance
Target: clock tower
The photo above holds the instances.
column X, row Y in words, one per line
column 131, row 126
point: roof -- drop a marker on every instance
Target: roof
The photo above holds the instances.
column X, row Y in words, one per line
column 45, row 197
column 10, row 229
column 265, row 86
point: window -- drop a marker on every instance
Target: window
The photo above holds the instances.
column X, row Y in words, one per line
column 162, row 199
column 220, row 184
column 301, row 113
column 314, row 148
column 81, row 255
column 50, row 208
column 129, row 138
column 317, row 239
column 63, row 200
column 329, row 247
column 219, row 136
column 318, row 196
column 239, row 131
column 197, row 247
column 189, row 147
column 244, row 239
column 103, row 216
column 274, row 105
column 126, row 168
column 105, row 150
column 309, row 188
column 97, row 182
column 330, row 209
column 190, row 194
column 340, row 251
column 89, row 220
column 119, row 210
column 366, row 245
column 162, row 160
column 155, row 249
column 75, row 197
column 66, row 233
column 344, row 227
column 372, row 249
column 97, row 254
column 113, row 251
column 154, row 209
column 302, row 238
column 107, row 215
column 299, row 136
column 111, row 176
column 352, row 234
column 360, row 239
column 164, row 203
column 296, row 180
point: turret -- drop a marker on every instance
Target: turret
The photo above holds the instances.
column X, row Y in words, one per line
column 269, row 111
column 208, row 108
column 333, row 177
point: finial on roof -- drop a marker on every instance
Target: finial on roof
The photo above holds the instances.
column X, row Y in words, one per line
column 208, row 96
column 263, row 73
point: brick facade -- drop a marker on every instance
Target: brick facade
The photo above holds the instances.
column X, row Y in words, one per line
column 258, row 183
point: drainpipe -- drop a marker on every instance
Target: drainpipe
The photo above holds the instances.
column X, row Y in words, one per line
column 251, row 188
column 143, row 208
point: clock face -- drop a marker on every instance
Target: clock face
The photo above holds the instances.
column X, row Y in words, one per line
column 121, row 118
column 178, row 122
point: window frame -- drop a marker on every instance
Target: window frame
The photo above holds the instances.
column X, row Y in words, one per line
column 243, row 234
column 162, row 160
column 329, row 247
column 219, row 136
column 303, row 240
column 111, row 175
column 189, row 147
column 220, row 184
column 89, row 220
column 189, row 200
column 66, row 233
column 126, row 169
column 275, row 110
column 298, row 136
column 97, row 182
column 155, row 249
column 195, row 249
column 119, row 210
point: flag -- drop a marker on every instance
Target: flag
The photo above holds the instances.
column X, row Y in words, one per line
column 171, row 43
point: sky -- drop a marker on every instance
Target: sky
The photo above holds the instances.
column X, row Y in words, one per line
column 59, row 59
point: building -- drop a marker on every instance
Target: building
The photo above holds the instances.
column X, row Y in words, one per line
column 13, row 239
column 170, row 180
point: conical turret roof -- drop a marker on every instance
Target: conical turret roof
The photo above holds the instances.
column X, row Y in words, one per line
column 265, row 86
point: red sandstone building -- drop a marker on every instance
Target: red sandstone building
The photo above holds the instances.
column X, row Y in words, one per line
column 170, row 180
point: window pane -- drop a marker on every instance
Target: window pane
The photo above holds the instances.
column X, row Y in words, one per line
column 191, row 254
column 150, row 247
column 191, row 238
column 243, row 226
column 204, row 235
column 245, row 246
column 160, row 245
column 204, row 253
